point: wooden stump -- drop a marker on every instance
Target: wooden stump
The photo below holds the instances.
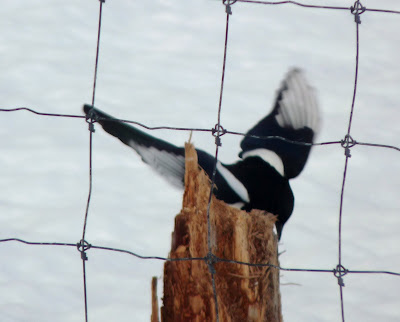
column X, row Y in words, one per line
column 154, row 300
column 245, row 293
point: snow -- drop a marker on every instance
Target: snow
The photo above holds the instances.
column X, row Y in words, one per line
column 160, row 64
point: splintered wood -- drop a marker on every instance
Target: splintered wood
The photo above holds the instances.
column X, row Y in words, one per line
column 244, row 293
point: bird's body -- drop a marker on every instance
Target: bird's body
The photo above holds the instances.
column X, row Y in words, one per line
column 260, row 179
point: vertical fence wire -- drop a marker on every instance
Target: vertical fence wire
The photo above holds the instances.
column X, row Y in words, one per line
column 218, row 132
column 347, row 144
column 90, row 122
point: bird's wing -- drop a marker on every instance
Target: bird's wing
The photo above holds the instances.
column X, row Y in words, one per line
column 165, row 158
column 294, row 117
column 169, row 160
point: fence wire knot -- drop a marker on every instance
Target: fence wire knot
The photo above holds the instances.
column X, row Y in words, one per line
column 217, row 132
column 82, row 247
column 91, row 118
column 339, row 272
column 227, row 4
column 357, row 10
column 211, row 259
column 347, row 143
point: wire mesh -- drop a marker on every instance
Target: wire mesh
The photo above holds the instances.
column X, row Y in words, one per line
column 347, row 143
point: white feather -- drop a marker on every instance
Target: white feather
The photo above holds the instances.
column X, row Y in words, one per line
column 233, row 182
column 169, row 165
column 298, row 107
column 237, row 205
column 268, row 156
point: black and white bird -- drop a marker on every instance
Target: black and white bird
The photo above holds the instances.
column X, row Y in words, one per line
column 260, row 179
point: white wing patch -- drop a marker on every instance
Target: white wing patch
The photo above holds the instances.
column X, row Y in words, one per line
column 237, row 205
column 233, row 182
column 171, row 166
column 268, row 156
column 298, row 106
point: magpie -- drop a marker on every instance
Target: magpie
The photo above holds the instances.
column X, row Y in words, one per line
column 269, row 155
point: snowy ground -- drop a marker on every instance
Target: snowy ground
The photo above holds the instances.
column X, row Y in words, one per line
column 160, row 64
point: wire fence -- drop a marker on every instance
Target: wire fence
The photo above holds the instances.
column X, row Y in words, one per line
column 218, row 131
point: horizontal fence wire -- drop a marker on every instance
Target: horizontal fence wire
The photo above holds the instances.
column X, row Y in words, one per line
column 312, row 6
column 209, row 130
column 182, row 259
column 218, row 131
